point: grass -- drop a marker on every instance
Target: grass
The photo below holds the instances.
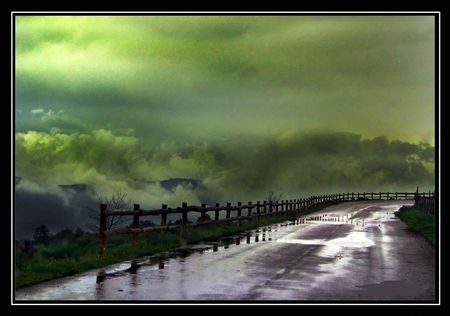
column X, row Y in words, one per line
column 418, row 221
column 60, row 258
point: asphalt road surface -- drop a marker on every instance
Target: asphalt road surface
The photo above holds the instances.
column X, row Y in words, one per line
column 352, row 251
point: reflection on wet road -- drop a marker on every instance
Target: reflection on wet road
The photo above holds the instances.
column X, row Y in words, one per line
column 350, row 251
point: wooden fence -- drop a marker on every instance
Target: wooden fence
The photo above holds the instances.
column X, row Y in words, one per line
column 424, row 202
column 251, row 211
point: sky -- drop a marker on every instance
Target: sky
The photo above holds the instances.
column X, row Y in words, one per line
column 297, row 105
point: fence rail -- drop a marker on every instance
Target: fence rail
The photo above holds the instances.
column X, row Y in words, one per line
column 254, row 210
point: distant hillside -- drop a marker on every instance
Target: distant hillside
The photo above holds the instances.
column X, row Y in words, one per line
column 171, row 184
column 168, row 184
column 77, row 187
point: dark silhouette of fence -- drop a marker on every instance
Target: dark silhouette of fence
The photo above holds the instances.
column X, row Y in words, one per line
column 253, row 211
column 424, row 202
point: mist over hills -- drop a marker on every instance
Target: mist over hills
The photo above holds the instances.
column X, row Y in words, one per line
column 67, row 205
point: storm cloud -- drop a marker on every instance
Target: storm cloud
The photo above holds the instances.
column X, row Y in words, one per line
column 244, row 105
column 296, row 164
column 217, row 77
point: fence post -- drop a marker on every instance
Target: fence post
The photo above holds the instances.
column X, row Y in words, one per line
column 228, row 213
column 102, row 229
column 216, row 213
column 184, row 219
column 164, row 215
column 258, row 209
column 265, row 206
column 203, row 213
column 416, row 196
column 249, row 213
column 136, row 222
column 434, row 203
column 270, row 207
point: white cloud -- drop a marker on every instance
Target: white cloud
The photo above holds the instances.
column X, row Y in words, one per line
column 37, row 111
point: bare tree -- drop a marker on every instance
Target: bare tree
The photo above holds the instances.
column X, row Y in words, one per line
column 117, row 201
column 271, row 196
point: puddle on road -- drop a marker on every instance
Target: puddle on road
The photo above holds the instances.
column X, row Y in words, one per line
column 352, row 240
column 333, row 247
column 164, row 268
column 259, row 235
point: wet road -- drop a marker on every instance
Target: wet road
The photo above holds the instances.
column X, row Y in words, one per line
column 351, row 251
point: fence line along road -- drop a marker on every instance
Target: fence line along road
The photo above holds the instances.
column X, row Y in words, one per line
column 424, row 201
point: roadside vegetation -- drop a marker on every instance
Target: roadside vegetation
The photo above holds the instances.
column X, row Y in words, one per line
column 70, row 252
column 418, row 221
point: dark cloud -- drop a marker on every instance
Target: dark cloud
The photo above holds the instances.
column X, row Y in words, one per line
column 296, row 165
column 241, row 103
column 217, row 75
column 331, row 162
column 55, row 209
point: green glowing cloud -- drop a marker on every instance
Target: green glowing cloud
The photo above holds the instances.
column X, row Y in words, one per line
column 223, row 76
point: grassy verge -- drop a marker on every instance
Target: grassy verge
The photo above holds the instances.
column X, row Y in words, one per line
column 418, row 221
column 62, row 258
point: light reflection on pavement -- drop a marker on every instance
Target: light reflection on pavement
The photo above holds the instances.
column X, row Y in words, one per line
column 349, row 251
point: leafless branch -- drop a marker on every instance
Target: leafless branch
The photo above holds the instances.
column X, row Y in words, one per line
column 117, row 201
column 273, row 197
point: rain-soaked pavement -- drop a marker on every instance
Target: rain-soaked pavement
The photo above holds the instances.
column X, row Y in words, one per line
column 351, row 251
